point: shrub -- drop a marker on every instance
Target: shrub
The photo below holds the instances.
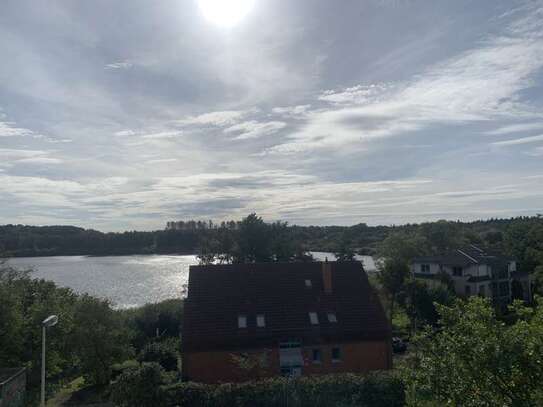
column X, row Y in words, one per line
column 316, row 391
column 164, row 353
column 139, row 387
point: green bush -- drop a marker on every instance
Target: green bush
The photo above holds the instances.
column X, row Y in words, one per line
column 165, row 353
column 139, row 387
column 315, row 391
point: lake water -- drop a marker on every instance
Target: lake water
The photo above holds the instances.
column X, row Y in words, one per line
column 128, row 281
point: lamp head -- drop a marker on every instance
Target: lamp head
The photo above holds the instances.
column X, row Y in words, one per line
column 51, row 320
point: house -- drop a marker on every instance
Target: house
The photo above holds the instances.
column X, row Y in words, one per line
column 473, row 271
column 12, row 387
column 250, row 321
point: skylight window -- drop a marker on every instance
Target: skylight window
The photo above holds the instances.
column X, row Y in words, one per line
column 308, row 284
column 313, row 318
column 260, row 321
column 242, row 321
column 332, row 317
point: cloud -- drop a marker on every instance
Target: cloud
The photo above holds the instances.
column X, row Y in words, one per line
column 162, row 135
column 10, row 157
column 8, row 129
column 515, row 128
column 220, row 118
column 253, row 129
column 298, row 111
column 40, row 160
column 125, row 133
column 162, row 161
column 523, row 140
column 354, row 95
column 480, row 84
column 263, row 117
column 119, row 65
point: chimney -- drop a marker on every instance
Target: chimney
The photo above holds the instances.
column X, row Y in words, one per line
column 327, row 277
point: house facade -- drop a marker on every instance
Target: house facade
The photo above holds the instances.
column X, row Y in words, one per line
column 250, row 321
column 474, row 271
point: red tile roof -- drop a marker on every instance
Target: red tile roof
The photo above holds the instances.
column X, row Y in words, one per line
column 217, row 294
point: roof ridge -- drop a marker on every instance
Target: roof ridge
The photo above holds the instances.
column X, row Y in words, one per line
column 467, row 255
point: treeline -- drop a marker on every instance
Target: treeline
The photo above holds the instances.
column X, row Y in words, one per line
column 515, row 236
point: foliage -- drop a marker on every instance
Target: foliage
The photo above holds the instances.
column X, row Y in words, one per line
column 251, row 241
column 419, row 301
column 345, row 251
column 392, row 275
column 162, row 319
column 99, row 338
column 88, row 339
column 139, row 386
column 312, row 391
column 474, row 359
column 165, row 353
column 519, row 237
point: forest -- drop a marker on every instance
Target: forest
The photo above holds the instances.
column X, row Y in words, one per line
column 512, row 234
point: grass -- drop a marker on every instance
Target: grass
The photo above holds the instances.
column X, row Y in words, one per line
column 77, row 393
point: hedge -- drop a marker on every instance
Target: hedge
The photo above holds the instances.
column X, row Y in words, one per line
column 315, row 391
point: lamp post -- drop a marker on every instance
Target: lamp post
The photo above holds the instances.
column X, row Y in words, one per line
column 51, row 320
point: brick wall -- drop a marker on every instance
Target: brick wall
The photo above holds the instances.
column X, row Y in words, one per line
column 213, row 367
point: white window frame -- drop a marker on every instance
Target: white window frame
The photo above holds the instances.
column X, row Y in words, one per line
column 242, row 321
column 314, row 318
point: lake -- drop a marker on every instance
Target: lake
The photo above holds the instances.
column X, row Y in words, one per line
column 128, row 281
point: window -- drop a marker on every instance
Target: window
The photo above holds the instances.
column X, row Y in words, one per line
column 242, row 321
column 260, row 321
column 308, row 284
column 317, row 356
column 468, row 290
column 457, row 271
column 313, row 318
column 482, row 290
column 336, row 354
column 425, row 268
column 332, row 317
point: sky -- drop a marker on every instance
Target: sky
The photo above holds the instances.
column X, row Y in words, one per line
column 125, row 114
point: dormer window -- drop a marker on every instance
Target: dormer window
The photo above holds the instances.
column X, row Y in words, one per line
column 313, row 318
column 260, row 321
column 308, row 284
column 332, row 317
column 242, row 321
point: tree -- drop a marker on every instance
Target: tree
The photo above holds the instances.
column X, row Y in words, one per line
column 419, row 301
column 100, row 340
column 345, row 251
column 443, row 236
column 139, row 387
column 392, row 274
column 251, row 241
column 475, row 359
column 165, row 353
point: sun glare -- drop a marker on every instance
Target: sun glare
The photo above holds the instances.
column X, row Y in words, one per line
column 226, row 13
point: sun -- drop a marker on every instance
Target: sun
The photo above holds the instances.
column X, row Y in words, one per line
column 226, row 13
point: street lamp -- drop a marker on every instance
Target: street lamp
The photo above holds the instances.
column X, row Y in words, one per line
column 51, row 320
